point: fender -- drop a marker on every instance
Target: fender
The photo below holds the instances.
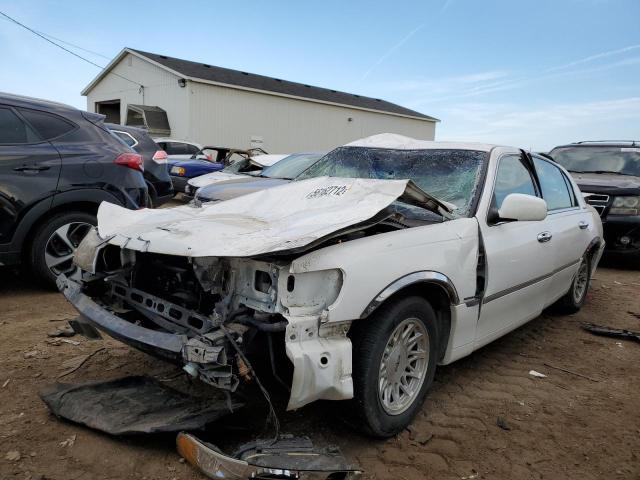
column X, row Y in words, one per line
column 436, row 278
column 41, row 209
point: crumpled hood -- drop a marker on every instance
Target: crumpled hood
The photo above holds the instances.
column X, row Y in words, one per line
column 282, row 218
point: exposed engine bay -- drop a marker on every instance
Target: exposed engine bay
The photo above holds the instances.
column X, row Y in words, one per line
column 218, row 305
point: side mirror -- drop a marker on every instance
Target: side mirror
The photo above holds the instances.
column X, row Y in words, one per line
column 523, row 208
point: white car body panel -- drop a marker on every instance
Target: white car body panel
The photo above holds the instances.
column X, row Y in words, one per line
column 341, row 283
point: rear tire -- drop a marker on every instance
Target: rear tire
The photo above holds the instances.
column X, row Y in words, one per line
column 576, row 297
column 54, row 243
column 394, row 362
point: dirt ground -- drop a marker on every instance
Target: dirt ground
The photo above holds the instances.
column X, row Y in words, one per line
column 563, row 426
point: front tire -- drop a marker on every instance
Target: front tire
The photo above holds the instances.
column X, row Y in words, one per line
column 394, row 362
column 576, row 297
column 55, row 242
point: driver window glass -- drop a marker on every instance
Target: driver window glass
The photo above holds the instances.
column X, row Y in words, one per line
column 553, row 185
column 512, row 177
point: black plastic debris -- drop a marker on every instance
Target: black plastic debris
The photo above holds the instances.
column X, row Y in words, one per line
column 286, row 458
column 611, row 332
column 133, row 405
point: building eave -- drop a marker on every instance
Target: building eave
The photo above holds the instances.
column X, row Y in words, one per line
column 126, row 51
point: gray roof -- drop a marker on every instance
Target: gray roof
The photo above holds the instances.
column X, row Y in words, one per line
column 227, row 76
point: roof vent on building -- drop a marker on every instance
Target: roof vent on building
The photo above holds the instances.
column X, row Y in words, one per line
column 164, row 57
column 308, row 86
column 244, row 73
column 206, row 66
column 277, row 80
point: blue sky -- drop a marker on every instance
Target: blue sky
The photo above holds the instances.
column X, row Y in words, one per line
column 527, row 73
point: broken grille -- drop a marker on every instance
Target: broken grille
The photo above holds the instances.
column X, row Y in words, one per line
column 598, row 201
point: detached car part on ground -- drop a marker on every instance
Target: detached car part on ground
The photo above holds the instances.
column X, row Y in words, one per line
column 608, row 173
column 57, row 164
column 366, row 283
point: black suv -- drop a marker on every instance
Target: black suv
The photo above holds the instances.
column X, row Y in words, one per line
column 57, row 164
column 156, row 172
column 608, row 173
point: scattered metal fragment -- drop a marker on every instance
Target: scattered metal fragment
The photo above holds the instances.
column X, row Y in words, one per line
column 286, row 458
column 133, row 405
column 611, row 332
column 6, row 382
column 82, row 327
column 533, row 373
column 581, row 375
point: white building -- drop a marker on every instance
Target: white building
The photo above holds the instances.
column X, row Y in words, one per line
column 218, row 106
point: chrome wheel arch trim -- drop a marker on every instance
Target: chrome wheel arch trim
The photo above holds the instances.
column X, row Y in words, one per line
column 427, row 276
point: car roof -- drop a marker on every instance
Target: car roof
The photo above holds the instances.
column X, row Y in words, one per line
column 400, row 142
column 601, row 143
column 24, row 101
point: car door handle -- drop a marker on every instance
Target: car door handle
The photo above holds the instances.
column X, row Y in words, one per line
column 31, row 168
column 544, row 237
column 583, row 225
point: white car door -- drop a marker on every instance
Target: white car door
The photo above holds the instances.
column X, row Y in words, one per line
column 519, row 256
column 569, row 225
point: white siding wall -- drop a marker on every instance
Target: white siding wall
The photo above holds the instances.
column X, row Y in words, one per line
column 214, row 115
column 161, row 89
column 231, row 117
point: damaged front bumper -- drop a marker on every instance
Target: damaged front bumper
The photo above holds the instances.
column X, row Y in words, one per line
column 165, row 345
column 200, row 356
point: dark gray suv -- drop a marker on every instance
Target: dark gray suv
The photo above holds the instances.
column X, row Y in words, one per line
column 57, row 164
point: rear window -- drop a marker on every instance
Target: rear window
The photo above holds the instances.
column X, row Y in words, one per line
column 599, row 159
column 47, row 125
column 126, row 138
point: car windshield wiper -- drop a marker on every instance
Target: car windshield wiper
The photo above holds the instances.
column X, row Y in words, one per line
column 603, row 172
column 613, row 173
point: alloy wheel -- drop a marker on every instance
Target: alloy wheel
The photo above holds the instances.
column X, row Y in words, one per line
column 403, row 366
column 62, row 245
column 581, row 281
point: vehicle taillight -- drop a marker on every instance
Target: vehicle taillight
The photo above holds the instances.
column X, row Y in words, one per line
column 131, row 160
column 160, row 157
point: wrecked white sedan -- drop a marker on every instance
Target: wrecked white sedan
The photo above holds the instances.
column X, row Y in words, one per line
column 395, row 255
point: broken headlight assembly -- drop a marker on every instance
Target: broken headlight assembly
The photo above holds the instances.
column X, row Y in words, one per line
column 625, row 206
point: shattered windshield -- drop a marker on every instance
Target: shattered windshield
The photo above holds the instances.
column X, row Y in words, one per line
column 446, row 174
column 291, row 166
column 622, row 160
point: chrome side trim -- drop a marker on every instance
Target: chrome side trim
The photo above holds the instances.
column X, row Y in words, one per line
column 528, row 283
column 415, row 277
